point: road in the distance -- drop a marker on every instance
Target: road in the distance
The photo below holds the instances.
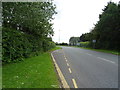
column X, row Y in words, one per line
column 87, row 69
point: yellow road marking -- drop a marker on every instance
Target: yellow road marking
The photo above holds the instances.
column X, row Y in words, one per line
column 69, row 70
column 74, row 83
column 64, row 82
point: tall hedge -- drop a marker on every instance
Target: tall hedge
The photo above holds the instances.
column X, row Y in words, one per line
column 107, row 30
column 27, row 29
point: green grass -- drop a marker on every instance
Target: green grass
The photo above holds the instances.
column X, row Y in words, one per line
column 0, row 77
column 102, row 50
column 57, row 47
column 35, row 72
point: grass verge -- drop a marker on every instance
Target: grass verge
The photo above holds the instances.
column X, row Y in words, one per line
column 56, row 48
column 34, row 72
column 102, row 50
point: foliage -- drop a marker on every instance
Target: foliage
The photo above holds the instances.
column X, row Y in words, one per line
column 85, row 37
column 85, row 44
column 27, row 29
column 107, row 30
column 65, row 44
column 32, row 18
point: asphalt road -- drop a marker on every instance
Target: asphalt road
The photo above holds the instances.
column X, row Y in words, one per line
column 87, row 69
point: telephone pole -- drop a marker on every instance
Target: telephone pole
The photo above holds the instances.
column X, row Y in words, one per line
column 59, row 36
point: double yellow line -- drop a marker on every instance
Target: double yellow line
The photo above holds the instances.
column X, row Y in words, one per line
column 64, row 82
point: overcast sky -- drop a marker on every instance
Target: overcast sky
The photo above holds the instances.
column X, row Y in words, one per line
column 76, row 17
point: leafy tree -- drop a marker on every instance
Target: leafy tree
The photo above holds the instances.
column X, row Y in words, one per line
column 27, row 29
column 85, row 37
column 107, row 30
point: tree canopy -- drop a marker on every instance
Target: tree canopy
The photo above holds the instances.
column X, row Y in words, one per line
column 27, row 28
column 107, row 30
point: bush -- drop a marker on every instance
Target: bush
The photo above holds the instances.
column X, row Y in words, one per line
column 13, row 45
column 18, row 45
column 85, row 44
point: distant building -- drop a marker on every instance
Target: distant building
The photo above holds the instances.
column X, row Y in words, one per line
column 78, row 44
column 74, row 41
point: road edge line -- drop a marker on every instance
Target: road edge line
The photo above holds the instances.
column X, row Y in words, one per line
column 62, row 78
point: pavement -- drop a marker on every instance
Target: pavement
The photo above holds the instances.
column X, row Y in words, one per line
column 83, row 68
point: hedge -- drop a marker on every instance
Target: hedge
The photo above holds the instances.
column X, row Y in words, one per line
column 17, row 45
column 84, row 44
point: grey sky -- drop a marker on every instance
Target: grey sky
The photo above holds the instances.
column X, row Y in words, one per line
column 76, row 17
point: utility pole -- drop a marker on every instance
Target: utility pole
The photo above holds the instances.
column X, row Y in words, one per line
column 59, row 36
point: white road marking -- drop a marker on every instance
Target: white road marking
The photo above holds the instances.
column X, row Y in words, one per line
column 106, row 60
column 74, row 83
column 69, row 70
column 89, row 54
column 68, row 65
column 64, row 55
column 66, row 59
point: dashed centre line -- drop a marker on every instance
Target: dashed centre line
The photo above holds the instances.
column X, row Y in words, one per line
column 74, row 83
column 89, row 54
column 68, row 65
column 66, row 59
column 73, row 80
column 69, row 70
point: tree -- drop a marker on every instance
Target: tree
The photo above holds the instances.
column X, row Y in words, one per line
column 107, row 27
column 85, row 37
column 27, row 29
column 107, row 30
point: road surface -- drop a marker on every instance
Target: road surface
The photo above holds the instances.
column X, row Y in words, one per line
column 87, row 69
